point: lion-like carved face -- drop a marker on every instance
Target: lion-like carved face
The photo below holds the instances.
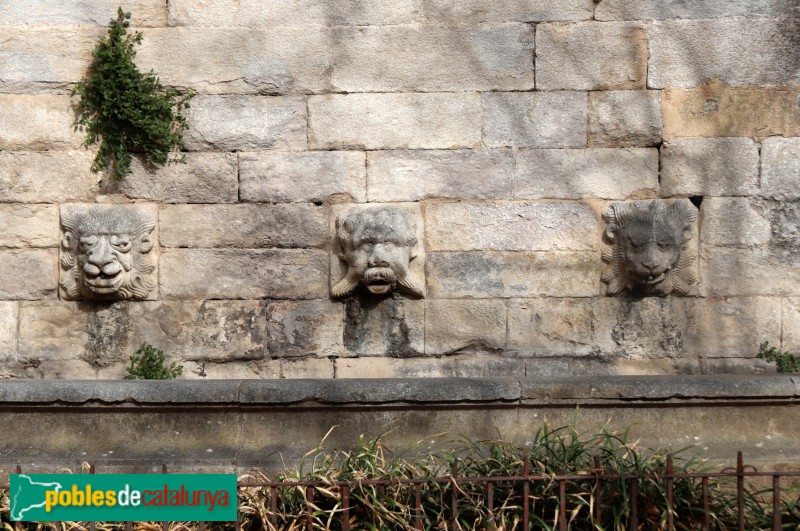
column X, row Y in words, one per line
column 107, row 253
column 378, row 245
column 648, row 250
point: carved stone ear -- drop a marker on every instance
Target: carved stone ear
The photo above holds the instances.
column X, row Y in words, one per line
column 687, row 233
column 146, row 244
column 611, row 233
column 67, row 241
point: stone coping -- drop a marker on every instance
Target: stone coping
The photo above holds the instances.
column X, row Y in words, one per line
column 677, row 389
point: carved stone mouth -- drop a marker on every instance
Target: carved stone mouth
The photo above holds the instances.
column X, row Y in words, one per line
column 380, row 280
column 653, row 279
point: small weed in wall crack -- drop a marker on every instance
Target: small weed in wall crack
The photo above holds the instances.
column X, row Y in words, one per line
column 125, row 110
column 786, row 361
column 150, row 365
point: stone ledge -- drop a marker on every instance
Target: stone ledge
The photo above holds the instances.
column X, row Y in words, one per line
column 668, row 390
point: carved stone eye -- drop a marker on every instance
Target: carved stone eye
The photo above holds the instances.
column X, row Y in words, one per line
column 366, row 247
column 87, row 243
column 664, row 245
column 123, row 245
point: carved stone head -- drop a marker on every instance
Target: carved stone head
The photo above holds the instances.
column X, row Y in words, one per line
column 648, row 247
column 377, row 244
column 107, row 252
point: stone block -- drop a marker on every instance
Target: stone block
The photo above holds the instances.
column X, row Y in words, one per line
column 591, row 56
column 28, row 225
column 235, row 60
column 305, row 328
column 535, row 119
column 726, row 271
column 746, row 51
column 790, row 339
column 67, row 174
column 224, row 13
column 63, row 370
column 243, row 226
column 460, row 326
column 550, row 327
column 302, row 177
column 651, row 327
column 709, row 166
column 513, row 274
column 713, row 110
column 28, row 274
column 307, row 368
column 625, row 118
column 730, row 327
column 459, row 366
column 472, row 11
column 56, row 330
column 733, row 221
column 456, row 174
column 699, row 9
column 581, row 173
column 36, row 57
column 392, row 326
column 9, row 317
column 205, row 178
column 67, row 12
column 37, row 123
column 244, row 274
column 746, row 366
column 271, row 13
column 394, row 121
column 433, row 58
column 234, row 123
column 510, row 227
column 780, row 167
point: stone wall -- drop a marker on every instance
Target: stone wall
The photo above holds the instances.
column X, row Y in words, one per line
column 504, row 129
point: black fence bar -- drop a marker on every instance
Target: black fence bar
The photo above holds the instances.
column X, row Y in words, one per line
column 776, row 502
column 345, row 508
column 526, row 493
column 670, row 497
column 598, row 492
column 418, row 505
column 562, row 505
column 633, row 520
column 740, row 489
column 706, row 519
column 454, row 501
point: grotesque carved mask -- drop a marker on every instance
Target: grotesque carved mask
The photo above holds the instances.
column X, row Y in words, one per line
column 378, row 245
column 107, row 253
column 648, row 250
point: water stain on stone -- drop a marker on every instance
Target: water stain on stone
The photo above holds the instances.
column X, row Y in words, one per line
column 108, row 333
column 377, row 326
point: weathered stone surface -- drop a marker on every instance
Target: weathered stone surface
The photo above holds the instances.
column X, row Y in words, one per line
column 239, row 60
column 514, row 10
column 205, row 178
column 63, row 370
column 591, row 56
column 709, row 166
column 28, row 274
column 757, row 51
column 457, row 174
column 28, row 225
column 394, row 121
column 243, row 226
column 304, row 328
column 728, row 271
column 96, row 12
column 244, row 274
column 302, row 177
column 54, row 330
column 780, row 167
column 698, row 9
column 717, row 110
column 550, row 327
column 39, row 58
column 269, row 13
column 535, row 119
column 459, row 366
column 232, row 123
column 37, row 123
column 224, row 13
column 513, row 274
column 109, row 252
column 733, row 221
column 510, row 227
column 433, row 58
column 461, row 326
column 745, row 366
column 625, row 118
column 393, row 326
column 307, row 368
column 650, row 327
column 67, row 174
column 582, row 173
column 9, row 314
column 730, row 327
column 790, row 339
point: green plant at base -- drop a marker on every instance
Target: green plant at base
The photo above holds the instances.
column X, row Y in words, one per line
column 126, row 110
column 786, row 361
column 150, row 365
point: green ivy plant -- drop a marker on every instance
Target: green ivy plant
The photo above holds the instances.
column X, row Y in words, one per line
column 786, row 361
column 150, row 365
column 125, row 110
